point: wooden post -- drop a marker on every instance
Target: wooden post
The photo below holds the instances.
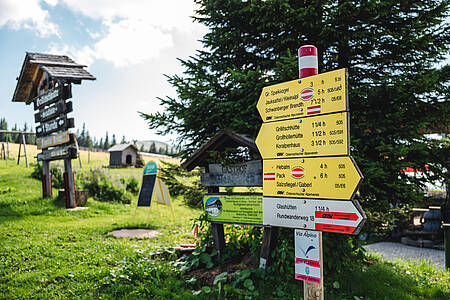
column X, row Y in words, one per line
column 270, row 239
column 217, row 231
column 25, row 149
column 18, row 156
column 7, row 149
column 46, row 179
column 69, row 184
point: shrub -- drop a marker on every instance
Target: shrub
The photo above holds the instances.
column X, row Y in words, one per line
column 103, row 187
column 181, row 182
column 56, row 172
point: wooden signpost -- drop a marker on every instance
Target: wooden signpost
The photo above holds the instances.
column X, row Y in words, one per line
column 308, row 172
column 46, row 81
column 248, row 173
column 52, row 116
column 55, row 140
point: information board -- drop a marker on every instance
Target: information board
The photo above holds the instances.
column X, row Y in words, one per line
column 315, row 177
column 305, row 137
column 148, row 184
column 234, row 209
column 320, row 94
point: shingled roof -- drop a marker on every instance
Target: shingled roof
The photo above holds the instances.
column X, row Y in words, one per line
column 59, row 67
column 223, row 139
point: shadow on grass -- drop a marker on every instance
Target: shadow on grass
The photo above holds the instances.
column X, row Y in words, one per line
column 36, row 206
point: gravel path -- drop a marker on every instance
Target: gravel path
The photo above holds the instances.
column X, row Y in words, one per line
column 396, row 250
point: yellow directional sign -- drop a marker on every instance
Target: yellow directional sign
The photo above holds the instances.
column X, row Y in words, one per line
column 305, row 137
column 314, row 95
column 317, row 177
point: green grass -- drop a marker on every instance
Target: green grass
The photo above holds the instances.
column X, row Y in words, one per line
column 47, row 252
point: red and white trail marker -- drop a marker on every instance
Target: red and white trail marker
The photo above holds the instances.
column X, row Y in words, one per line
column 307, row 61
column 314, row 214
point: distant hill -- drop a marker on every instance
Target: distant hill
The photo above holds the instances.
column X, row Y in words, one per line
column 160, row 146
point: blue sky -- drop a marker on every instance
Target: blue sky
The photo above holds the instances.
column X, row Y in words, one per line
column 127, row 45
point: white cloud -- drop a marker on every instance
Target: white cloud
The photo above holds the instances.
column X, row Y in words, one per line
column 136, row 30
column 132, row 41
column 28, row 15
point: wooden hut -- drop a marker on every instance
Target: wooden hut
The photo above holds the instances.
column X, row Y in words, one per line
column 124, row 155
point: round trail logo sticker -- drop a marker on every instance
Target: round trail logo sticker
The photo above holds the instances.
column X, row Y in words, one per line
column 307, row 94
column 213, row 206
column 298, row 172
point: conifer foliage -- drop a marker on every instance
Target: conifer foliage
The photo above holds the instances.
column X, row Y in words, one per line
column 395, row 53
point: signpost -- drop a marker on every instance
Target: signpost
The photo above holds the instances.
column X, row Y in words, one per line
column 53, row 140
column 52, row 95
column 52, row 110
column 247, row 173
column 58, row 153
column 321, row 94
column 58, row 124
column 305, row 137
column 316, row 177
column 307, row 167
column 314, row 214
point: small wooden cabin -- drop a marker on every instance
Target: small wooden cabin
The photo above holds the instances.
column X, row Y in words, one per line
column 123, row 155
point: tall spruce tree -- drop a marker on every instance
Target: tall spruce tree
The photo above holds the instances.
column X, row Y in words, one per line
column 395, row 54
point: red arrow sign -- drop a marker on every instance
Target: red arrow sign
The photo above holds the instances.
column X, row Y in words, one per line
column 324, row 215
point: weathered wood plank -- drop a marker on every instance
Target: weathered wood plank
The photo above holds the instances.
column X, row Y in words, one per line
column 54, row 125
column 53, row 111
column 69, row 152
column 52, row 96
column 53, row 140
column 242, row 174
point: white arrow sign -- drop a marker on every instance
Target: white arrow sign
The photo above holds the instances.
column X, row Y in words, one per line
column 323, row 215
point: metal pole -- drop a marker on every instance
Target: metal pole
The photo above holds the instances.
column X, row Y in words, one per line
column 308, row 65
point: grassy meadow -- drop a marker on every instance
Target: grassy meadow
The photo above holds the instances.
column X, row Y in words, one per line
column 48, row 252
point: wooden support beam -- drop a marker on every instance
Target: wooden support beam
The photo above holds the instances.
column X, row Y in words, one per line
column 46, row 180
column 269, row 242
column 69, row 184
column 217, row 231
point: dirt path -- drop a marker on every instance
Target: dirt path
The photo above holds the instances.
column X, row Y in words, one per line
column 396, row 250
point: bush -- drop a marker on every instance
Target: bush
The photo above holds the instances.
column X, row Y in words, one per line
column 104, row 188
column 131, row 184
column 56, row 172
column 181, row 182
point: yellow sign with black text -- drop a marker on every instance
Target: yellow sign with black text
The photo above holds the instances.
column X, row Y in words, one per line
column 305, row 137
column 315, row 95
column 315, row 177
